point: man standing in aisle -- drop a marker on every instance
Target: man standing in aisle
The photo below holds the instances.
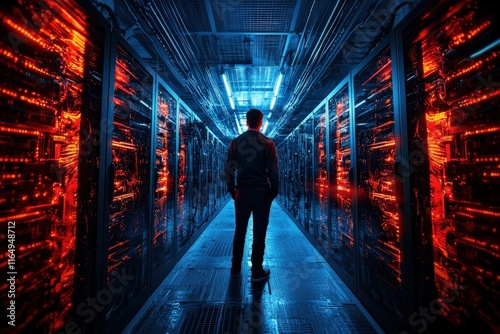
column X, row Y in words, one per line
column 252, row 180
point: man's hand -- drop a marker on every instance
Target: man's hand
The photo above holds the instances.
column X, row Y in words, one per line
column 232, row 192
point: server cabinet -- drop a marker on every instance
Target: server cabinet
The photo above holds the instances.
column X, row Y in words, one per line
column 129, row 182
column 305, row 149
column 287, row 168
column 213, row 174
column 223, row 194
column 208, row 166
column 451, row 75
column 184, row 187
column 291, row 189
column 164, row 184
column 341, row 180
column 188, row 185
column 298, row 145
column 296, row 171
column 198, row 144
column 320, row 186
column 52, row 65
column 378, row 217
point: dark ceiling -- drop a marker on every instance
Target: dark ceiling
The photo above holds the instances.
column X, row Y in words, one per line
column 313, row 44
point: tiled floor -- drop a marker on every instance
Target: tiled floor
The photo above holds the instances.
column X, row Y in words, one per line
column 303, row 295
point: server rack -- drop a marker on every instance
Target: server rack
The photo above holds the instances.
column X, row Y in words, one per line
column 320, row 199
column 290, row 181
column 188, row 185
column 342, row 253
column 130, row 194
column 163, row 249
column 52, row 58
column 202, row 190
column 305, row 144
column 222, row 194
column 382, row 280
column 452, row 104
column 287, row 193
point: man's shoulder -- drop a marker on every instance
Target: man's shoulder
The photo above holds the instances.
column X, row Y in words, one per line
column 245, row 135
column 263, row 136
column 238, row 138
column 266, row 138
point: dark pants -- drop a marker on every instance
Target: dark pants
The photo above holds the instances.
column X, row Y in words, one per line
column 255, row 201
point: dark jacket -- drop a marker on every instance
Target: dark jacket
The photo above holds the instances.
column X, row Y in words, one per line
column 252, row 162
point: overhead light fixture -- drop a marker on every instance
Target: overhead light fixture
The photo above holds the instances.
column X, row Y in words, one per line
column 240, row 131
column 266, row 123
column 228, row 90
column 265, row 126
column 276, row 90
column 273, row 101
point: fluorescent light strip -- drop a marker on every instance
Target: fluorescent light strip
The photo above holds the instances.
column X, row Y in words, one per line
column 228, row 90
column 226, row 84
column 278, row 85
column 238, row 124
column 265, row 126
column 276, row 91
column 273, row 101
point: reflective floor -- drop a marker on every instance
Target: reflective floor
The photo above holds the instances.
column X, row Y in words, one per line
column 303, row 295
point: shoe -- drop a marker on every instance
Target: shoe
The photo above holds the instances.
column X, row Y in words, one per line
column 261, row 276
column 235, row 272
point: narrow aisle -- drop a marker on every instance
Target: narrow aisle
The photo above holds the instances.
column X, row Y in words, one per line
column 303, row 295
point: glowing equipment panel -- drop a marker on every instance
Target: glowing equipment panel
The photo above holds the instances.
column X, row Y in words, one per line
column 341, row 182
column 51, row 64
column 378, row 217
column 453, row 98
column 131, row 156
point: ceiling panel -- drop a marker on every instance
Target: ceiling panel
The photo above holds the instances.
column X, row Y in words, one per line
column 253, row 16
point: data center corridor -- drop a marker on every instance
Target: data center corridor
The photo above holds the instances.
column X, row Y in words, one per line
column 303, row 295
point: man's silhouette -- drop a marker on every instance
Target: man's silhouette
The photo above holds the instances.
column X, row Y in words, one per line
column 252, row 180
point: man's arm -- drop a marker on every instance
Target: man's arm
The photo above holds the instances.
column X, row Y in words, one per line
column 272, row 170
column 229, row 171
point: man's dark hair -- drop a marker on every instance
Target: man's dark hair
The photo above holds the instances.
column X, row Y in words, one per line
column 254, row 117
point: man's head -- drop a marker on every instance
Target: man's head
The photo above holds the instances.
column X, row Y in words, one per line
column 254, row 119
